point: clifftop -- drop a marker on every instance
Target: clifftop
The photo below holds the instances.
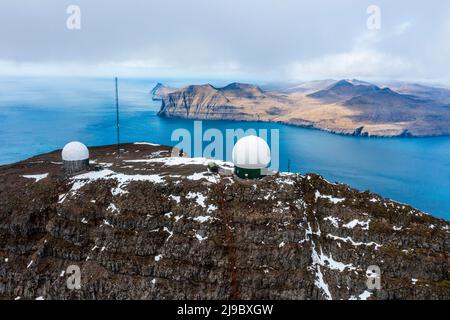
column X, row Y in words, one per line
column 149, row 226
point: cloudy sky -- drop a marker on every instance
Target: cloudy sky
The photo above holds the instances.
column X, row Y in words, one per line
column 270, row 40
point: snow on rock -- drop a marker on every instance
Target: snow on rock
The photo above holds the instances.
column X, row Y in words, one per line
column 285, row 180
column 200, row 238
column 211, row 208
column 81, row 180
column 356, row 222
column 202, row 175
column 329, row 262
column 202, row 219
column 331, row 198
column 36, row 177
column 356, row 244
column 320, row 283
column 146, row 143
column 199, row 196
column 169, row 232
column 112, row 207
column 181, row 161
column 365, row 295
column 168, row 214
column 334, row 221
column 177, row 199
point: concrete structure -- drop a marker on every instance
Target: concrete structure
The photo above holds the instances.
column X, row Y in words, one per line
column 75, row 156
column 251, row 155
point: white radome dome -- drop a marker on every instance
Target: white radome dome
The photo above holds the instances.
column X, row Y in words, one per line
column 251, row 152
column 75, row 151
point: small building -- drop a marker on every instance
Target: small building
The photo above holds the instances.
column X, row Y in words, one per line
column 251, row 156
column 75, row 156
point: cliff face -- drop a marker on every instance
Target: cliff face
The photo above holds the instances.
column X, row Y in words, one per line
column 201, row 102
column 345, row 107
column 148, row 226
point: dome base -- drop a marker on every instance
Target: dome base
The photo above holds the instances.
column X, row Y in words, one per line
column 72, row 167
column 244, row 173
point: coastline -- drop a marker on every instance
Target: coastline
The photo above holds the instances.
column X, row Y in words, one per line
column 306, row 127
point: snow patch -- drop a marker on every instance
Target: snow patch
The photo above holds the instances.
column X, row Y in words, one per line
column 334, row 221
column 146, row 143
column 177, row 199
column 356, row 222
column 36, row 177
column 356, row 244
column 331, row 198
column 181, row 161
column 320, row 283
column 202, row 219
column 200, row 198
column 200, row 238
column 202, row 175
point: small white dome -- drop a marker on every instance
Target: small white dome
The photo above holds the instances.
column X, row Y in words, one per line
column 251, row 152
column 75, row 151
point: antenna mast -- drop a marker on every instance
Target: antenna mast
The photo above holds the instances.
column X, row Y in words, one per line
column 117, row 118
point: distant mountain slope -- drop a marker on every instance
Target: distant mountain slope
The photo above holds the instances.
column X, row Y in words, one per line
column 426, row 92
column 346, row 107
column 305, row 87
column 242, row 90
column 344, row 90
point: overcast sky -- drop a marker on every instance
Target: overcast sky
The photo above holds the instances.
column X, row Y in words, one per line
column 270, row 40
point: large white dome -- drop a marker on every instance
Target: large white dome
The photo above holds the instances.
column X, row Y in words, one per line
column 251, row 152
column 75, row 151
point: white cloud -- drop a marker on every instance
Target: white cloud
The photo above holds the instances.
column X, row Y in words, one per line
column 403, row 27
column 356, row 63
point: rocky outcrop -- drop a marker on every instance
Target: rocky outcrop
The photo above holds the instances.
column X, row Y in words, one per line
column 160, row 91
column 150, row 226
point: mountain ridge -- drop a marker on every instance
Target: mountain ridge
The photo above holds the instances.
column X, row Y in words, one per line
column 350, row 107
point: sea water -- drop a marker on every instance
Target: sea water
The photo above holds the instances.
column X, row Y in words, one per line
column 42, row 114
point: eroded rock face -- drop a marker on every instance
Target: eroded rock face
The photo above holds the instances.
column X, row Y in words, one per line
column 147, row 226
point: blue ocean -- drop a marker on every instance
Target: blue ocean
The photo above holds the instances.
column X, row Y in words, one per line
column 42, row 114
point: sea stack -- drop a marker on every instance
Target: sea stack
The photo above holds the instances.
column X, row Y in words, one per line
column 251, row 156
column 75, row 156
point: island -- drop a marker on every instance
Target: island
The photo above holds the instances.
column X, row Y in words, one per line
column 349, row 107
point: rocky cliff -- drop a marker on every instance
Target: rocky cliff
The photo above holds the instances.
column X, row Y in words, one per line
column 345, row 107
column 160, row 91
column 150, row 226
